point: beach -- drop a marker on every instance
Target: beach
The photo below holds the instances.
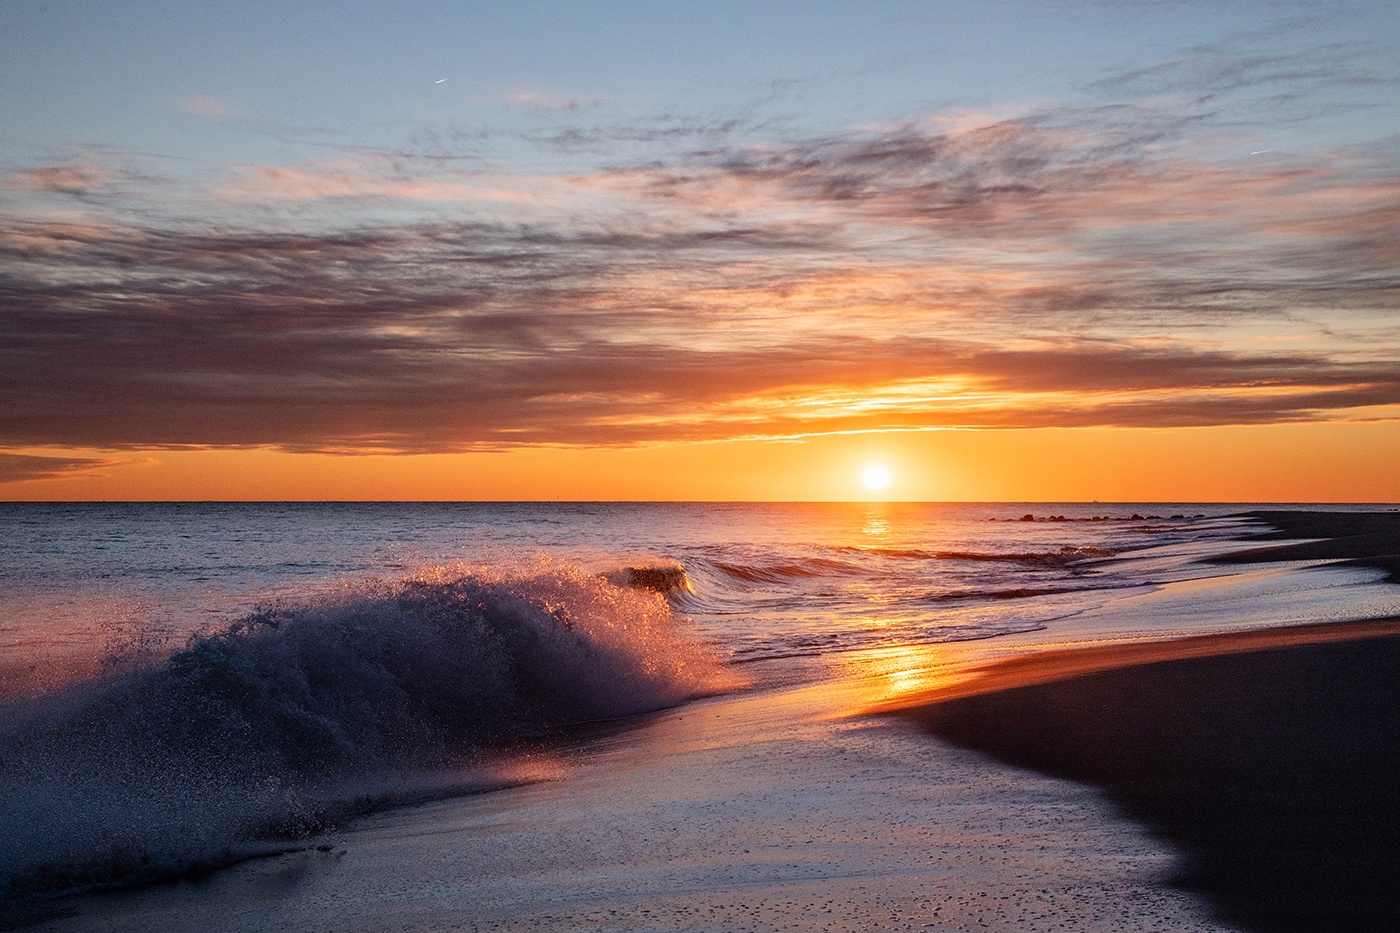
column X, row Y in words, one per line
column 773, row 812
column 1097, row 772
column 1270, row 756
column 700, row 467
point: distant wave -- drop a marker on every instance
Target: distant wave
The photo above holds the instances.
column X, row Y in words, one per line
column 1024, row 592
column 1056, row 558
column 913, row 553
column 1060, row 558
column 759, row 572
column 1018, row 592
column 780, row 572
column 263, row 733
column 816, row 646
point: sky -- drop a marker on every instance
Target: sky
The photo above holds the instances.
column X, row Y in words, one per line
column 1029, row 251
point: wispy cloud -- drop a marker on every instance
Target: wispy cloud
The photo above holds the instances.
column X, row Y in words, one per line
column 64, row 178
column 1077, row 265
column 452, row 336
column 18, row 468
column 361, row 181
column 535, row 99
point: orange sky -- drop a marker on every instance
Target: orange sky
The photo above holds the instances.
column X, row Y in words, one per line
column 1351, row 462
column 1154, row 260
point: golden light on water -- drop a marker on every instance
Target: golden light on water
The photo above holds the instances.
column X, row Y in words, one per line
column 896, row 676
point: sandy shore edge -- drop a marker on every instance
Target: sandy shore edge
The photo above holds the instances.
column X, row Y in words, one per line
column 1269, row 757
column 1060, row 664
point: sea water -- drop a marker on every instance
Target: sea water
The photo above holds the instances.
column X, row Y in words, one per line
column 185, row 685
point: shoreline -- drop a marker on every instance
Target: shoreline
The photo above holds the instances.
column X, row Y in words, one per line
column 1053, row 665
column 1355, row 539
column 1269, row 757
column 1271, row 763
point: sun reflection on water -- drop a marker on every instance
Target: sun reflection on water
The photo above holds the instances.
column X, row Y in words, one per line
column 898, row 675
column 876, row 526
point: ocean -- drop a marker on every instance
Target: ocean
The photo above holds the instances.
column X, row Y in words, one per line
column 189, row 685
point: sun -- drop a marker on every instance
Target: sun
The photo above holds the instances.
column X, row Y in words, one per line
column 875, row 477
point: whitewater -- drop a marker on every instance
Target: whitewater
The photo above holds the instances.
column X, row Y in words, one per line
column 189, row 686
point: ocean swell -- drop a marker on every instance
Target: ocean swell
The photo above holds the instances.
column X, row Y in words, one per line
column 263, row 733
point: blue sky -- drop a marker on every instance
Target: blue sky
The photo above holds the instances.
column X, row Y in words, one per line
column 413, row 227
column 129, row 76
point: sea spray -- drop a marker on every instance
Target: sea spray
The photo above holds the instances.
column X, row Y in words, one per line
column 263, row 732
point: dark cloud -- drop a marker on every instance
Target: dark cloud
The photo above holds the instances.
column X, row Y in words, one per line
column 16, row 468
column 435, row 338
column 1017, row 273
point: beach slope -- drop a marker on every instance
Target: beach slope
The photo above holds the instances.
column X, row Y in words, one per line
column 1363, row 539
column 1269, row 757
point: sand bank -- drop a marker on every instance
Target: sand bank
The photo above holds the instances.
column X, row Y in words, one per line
column 1271, row 757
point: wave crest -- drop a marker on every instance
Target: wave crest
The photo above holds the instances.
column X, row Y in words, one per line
column 257, row 731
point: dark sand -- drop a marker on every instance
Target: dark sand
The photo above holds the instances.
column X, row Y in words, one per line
column 1271, row 758
column 1365, row 539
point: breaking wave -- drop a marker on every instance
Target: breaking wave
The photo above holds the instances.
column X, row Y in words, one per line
column 666, row 579
column 265, row 733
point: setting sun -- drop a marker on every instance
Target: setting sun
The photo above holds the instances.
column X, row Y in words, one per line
column 875, row 478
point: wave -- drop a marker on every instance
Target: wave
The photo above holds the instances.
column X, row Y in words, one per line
column 1056, row 558
column 911, row 553
column 715, row 575
column 1022, row 592
column 770, row 649
column 1060, row 558
column 298, row 714
column 666, row 579
column 786, row 571
column 1025, row 592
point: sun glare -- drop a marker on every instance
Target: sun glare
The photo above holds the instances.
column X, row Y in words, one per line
column 875, row 478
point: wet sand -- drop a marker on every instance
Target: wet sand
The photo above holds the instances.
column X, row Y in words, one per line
column 767, row 812
column 1270, row 757
column 1363, row 539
